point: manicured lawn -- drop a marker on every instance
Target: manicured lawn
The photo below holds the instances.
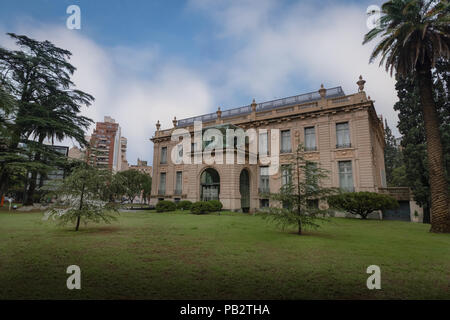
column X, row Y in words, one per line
column 149, row 255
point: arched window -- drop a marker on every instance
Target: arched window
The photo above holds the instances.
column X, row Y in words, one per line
column 210, row 185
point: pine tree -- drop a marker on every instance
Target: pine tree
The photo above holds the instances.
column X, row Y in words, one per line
column 38, row 77
column 300, row 196
column 392, row 155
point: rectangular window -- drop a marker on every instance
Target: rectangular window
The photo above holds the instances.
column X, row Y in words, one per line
column 342, row 135
column 162, row 183
column 285, row 141
column 286, row 175
column 264, row 180
column 263, row 143
column 264, row 203
column 310, row 139
column 346, row 176
column 163, row 155
column 179, row 182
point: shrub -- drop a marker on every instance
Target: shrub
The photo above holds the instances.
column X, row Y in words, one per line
column 165, row 206
column 201, row 207
column 184, row 205
column 362, row 203
column 216, row 205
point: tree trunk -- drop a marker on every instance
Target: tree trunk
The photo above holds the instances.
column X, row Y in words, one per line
column 299, row 227
column 440, row 212
column 32, row 188
column 81, row 206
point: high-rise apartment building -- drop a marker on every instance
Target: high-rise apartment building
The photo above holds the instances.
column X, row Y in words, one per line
column 107, row 149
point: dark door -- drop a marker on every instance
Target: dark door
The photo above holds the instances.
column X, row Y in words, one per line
column 244, row 188
column 401, row 213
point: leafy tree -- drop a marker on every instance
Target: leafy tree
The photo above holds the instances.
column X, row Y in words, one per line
column 147, row 188
column 38, row 77
column 362, row 203
column 411, row 126
column 414, row 35
column 392, row 155
column 133, row 182
column 80, row 198
column 300, row 195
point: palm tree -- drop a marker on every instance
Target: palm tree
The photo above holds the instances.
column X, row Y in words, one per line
column 414, row 35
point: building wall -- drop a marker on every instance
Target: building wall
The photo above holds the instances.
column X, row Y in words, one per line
column 365, row 152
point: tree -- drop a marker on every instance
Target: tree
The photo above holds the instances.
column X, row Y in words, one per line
column 415, row 34
column 133, row 182
column 81, row 198
column 392, row 155
column 147, row 188
column 362, row 203
column 300, row 195
column 411, row 126
column 38, row 77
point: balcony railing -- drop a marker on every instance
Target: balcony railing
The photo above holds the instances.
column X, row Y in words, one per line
column 268, row 105
column 343, row 145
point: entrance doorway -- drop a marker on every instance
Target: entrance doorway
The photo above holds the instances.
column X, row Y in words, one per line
column 244, row 189
column 209, row 185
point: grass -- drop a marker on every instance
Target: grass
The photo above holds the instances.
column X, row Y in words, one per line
column 149, row 255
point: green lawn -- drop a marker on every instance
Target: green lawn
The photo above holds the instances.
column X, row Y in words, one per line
column 149, row 255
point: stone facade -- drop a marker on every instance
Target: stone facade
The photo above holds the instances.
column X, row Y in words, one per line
column 323, row 113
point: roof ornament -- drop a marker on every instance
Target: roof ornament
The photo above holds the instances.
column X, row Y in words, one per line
column 322, row 91
column 158, row 125
column 219, row 113
column 253, row 105
column 174, row 121
column 360, row 84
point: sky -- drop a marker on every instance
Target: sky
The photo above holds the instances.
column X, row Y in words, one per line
column 145, row 61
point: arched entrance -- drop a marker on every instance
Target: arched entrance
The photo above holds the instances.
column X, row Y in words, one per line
column 244, row 189
column 209, row 185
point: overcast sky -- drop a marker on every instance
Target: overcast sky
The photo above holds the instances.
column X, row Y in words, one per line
column 145, row 61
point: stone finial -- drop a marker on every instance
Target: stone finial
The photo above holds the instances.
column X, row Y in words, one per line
column 219, row 113
column 158, row 126
column 360, row 84
column 174, row 121
column 253, row 105
column 322, row 91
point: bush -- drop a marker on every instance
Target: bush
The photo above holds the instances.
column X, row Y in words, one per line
column 216, row 205
column 184, row 205
column 362, row 203
column 165, row 206
column 201, row 207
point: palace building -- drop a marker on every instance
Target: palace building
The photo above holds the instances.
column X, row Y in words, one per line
column 342, row 133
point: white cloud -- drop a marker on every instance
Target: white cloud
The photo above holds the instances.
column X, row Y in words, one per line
column 113, row 77
column 307, row 41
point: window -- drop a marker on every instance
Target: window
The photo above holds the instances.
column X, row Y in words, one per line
column 346, row 176
column 264, row 180
column 286, row 175
column 178, row 182
column 285, row 141
column 310, row 139
column 342, row 135
column 163, row 155
column 263, row 143
column 264, row 203
column 312, row 203
column 162, row 183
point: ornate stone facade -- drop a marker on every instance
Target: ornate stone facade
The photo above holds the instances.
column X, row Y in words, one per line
column 345, row 136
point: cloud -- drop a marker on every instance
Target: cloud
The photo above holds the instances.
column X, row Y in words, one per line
column 135, row 86
column 277, row 47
